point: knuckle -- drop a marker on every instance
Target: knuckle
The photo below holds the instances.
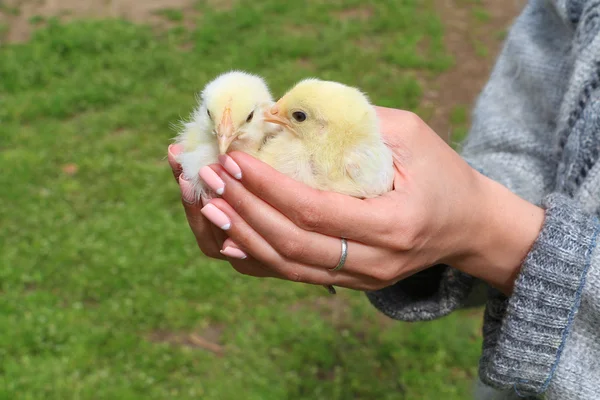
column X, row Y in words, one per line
column 387, row 227
column 405, row 235
column 308, row 216
column 291, row 249
column 310, row 221
column 403, row 241
column 412, row 120
column 413, row 232
column 385, row 274
column 392, row 233
column 241, row 206
column 292, row 275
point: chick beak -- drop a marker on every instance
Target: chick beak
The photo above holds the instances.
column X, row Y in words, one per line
column 274, row 116
column 225, row 131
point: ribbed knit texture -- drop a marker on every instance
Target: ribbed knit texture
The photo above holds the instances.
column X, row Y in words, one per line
column 524, row 338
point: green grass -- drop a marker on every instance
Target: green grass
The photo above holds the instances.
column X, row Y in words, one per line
column 96, row 258
column 3, row 30
column 481, row 14
column 171, row 14
column 36, row 20
column 459, row 120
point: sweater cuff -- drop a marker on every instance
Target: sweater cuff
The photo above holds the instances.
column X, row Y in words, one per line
column 427, row 295
column 524, row 335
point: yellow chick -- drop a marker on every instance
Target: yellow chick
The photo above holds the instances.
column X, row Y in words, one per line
column 330, row 141
column 229, row 116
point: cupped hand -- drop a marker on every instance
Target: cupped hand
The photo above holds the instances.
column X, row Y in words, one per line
column 291, row 231
column 440, row 211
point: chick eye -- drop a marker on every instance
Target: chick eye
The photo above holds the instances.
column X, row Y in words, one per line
column 299, row 116
column 208, row 112
column 250, row 117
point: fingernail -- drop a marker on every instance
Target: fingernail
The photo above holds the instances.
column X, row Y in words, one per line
column 230, row 243
column 230, row 166
column 187, row 191
column 212, row 179
column 216, row 216
column 175, row 149
column 234, row 253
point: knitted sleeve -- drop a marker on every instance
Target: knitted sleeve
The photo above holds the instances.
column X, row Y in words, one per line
column 545, row 338
column 511, row 141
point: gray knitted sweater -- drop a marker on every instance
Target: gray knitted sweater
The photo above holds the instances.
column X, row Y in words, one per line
column 536, row 130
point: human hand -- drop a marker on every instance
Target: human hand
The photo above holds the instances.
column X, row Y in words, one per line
column 438, row 212
column 211, row 240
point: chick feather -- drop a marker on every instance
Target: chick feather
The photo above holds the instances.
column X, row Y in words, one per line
column 331, row 140
column 228, row 116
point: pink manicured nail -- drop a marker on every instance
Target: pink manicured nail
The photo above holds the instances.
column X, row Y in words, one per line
column 230, row 243
column 232, row 250
column 230, row 166
column 216, row 216
column 212, row 179
column 175, row 149
column 187, row 191
column 234, row 253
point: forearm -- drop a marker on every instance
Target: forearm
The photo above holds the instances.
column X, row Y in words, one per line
column 502, row 231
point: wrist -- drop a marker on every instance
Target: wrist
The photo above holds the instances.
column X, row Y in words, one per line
column 501, row 232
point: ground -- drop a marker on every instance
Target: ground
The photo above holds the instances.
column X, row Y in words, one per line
column 448, row 95
column 103, row 293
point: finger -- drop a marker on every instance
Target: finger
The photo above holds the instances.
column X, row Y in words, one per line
column 294, row 243
column 173, row 151
column 392, row 119
column 259, row 249
column 238, row 253
column 244, row 264
column 249, row 268
column 232, row 251
column 405, row 132
column 241, row 262
column 329, row 213
column 200, row 226
column 219, row 237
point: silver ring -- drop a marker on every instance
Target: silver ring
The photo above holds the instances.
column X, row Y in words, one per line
column 342, row 257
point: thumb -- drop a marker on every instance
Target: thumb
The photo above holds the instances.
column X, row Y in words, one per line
column 173, row 151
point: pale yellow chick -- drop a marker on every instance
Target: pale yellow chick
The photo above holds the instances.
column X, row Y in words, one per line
column 229, row 116
column 330, row 141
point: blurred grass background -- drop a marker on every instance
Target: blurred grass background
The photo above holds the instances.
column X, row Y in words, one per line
column 103, row 291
